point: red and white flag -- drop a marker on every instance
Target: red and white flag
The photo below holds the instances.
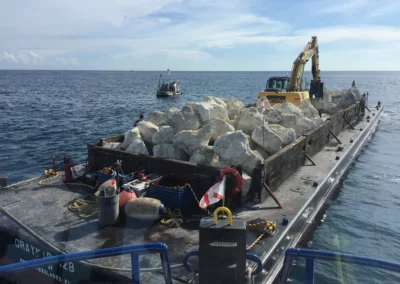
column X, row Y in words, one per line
column 214, row 194
column 262, row 106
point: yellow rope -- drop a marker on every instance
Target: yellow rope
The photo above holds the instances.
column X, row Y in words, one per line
column 49, row 172
column 55, row 175
column 269, row 228
column 85, row 208
column 173, row 219
column 43, row 182
column 21, row 182
column 256, row 241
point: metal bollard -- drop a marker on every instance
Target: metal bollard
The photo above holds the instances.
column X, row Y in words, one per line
column 3, row 181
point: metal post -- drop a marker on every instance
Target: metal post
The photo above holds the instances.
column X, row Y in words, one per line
column 334, row 136
column 285, row 269
column 272, row 195
column 135, row 263
column 166, row 267
column 309, row 158
column 223, row 198
column 345, row 119
column 309, row 271
column 3, row 181
column 54, row 164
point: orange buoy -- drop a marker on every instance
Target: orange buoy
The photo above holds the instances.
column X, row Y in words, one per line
column 125, row 196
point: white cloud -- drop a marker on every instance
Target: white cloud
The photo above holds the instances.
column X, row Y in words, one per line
column 8, row 57
column 66, row 61
column 366, row 33
column 191, row 54
column 30, row 58
column 94, row 31
column 25, row 57
column 384, row 7
column 349, row 6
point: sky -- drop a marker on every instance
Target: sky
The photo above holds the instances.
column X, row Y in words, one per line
column 204, row 35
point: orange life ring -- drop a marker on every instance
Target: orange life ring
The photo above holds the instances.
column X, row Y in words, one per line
column 237, row 176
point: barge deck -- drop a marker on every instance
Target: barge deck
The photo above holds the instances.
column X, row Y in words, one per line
column 302, row 186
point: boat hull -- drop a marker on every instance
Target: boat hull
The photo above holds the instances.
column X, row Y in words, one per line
column 15, row 247
column 164, row 94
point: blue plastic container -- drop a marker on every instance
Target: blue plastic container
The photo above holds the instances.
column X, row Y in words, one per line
column 179, row 198
column 101, row 178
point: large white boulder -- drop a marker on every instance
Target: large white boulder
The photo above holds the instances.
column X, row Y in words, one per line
column 272, row 116
column 300, row 124
column 310, row 111
column 262, row 152
column 234, row 148
column 252, row 161
column 234, row 106
column 347, row 99
column 191, row 140
column 184, row 120
column 147, row 129
column 356, row 93
column 330, row 107
column 112, row 145
column 169, row 151
column 248, row 119
column 129, row 136
column 169, row 113
column 158, row 118
column 288, row 108
column 137, row 146
column 164, row 135
column 267, row 139
column 209, row 109
column 288, row 135
column 220, row 164
column 219, row 127
column 204, row 156
column 215, row 100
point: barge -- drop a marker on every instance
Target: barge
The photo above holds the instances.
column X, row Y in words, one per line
column 296, row 185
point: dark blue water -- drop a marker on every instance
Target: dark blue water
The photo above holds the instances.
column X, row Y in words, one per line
column 45, row 113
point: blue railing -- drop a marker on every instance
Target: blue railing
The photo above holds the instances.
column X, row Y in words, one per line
column 311, row 255
column 133, row 250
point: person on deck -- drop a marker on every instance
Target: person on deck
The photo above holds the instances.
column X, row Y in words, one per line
column 141, row 118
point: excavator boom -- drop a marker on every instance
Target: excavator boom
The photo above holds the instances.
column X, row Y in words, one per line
column 311, row 50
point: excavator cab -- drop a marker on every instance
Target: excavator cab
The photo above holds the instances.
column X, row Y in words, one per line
column 277, row 84
column 276, row 91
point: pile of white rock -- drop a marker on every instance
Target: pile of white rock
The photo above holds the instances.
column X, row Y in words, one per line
column 220, row 132
column 334, row 100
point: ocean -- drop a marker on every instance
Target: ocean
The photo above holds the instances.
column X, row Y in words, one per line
column 46, row 113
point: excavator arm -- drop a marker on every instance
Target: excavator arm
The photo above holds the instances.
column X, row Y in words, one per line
column 310, row 50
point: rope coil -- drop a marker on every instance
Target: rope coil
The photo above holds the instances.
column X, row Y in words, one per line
column 85, row 208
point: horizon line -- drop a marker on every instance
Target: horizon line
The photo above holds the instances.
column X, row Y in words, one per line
column 125, row 70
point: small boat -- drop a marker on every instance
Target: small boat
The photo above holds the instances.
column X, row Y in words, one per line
column 167, row 89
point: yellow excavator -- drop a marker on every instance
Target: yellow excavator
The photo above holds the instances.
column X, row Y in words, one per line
column 290, row 89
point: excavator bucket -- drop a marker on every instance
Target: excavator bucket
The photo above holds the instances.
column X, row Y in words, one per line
column 316, row 89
